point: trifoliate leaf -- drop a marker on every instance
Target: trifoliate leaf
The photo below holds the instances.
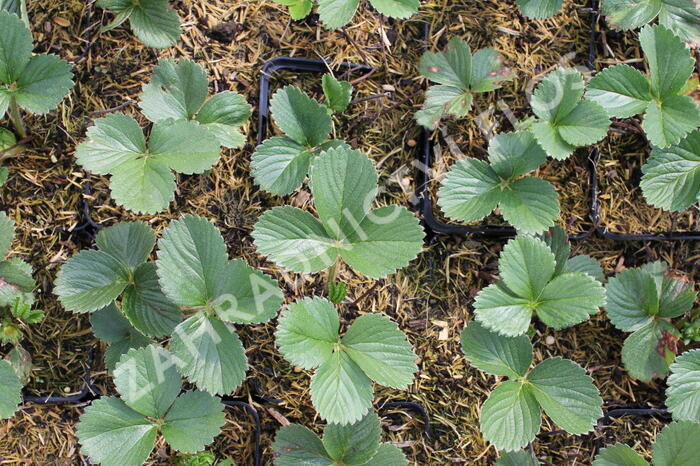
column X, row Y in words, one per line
column 16, row 46
column 683, row 392
column 677, row 444
column 193, row 421
column 145, row 305
column 295, row 444
column 10, row 390
column 641, row 353
column 621, row 90
column 380, row 349
column 209, row 353
column 566, row 121
column 671, row 179
column 632, row 299
column 336, row 13
column 474, row 188
column 340, row 391
column 298, row 9
column 7, row 233
column 567, row 394
column 129, row 242
column 337, row 93
column 152, row 21
column 375, row 243
column 496, row 354
column 147, row 380
column 510, row 417
column 539, row 9
column 112, row 434
column 388, row 455
column 453, row 67
column 396, row 8
column 300, row 117
column 515, row 458
column 90, row 281
column 619, row 455
column 141, row 178
column 353, row 444
column 307, row 332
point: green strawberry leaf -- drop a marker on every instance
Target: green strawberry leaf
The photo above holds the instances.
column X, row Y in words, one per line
column 442, row 101
column 279, row 165
column 666, row 123
column 680, row 16
column 295, row 444
column 683, row 392
column 298, row 9
column 499, row 310
column 470, row 191
column 223, row 115
column 585, row 264
column 453, row 67
column 381, row 350
column 567, row 394
column 335, row 14
column 300, row 117
column 683, row 18
column 152, row 21
column 510, row 417
column 496, row 354
column 619, row 455
column 551, row 141
column 388, row 455
column 353, row 444
column 569, row 299
column 539, row 9
column 7, row 234
column 208, row 353
column 337, row 93
column 526, row 265
column 587, row 124
column 515, row 154
column 671, row 179
column 112, row 434
column 670, row 62
column 109, row 325
column 558, row 94
column 193, row 421
column 147, row 380
column 530, row 204
column 43, row 84
column 10, row 390
column 307, row 332
column 677, row 444
column 16, row 47
column 145, row 305
column 396, row 8
column 633, row 299
column 640, row 352
column 621, row 90
column 129, row 242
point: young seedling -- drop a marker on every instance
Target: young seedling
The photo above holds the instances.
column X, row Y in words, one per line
column 671, row 179
column 677, row 444
column 354, row 444
column 538, row 278
column 683, row 392
column 511, row 416
column 337, row 13
column 122, row 431
column 459, row 75
column 153, row 22
column 111, row 326
column 565, row 120
column 680, row 16
column 337, row 93
column 179, row 90
column 16, row 300
column 643, row 301
column 35, row 83
column 375, row 242
column 280, row 164
column 142, row 174
column 474, row 188
column 624, row 91
column 372, row 349
column 539, row 9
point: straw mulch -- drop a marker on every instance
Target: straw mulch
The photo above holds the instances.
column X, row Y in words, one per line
column 430, row 299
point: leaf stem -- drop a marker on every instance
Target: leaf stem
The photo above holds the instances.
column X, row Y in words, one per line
column 331, row 276
column 17, row 118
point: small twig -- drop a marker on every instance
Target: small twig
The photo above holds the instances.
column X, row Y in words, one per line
column 362, row 54
column 370, row 97
column 111, row 110
column 364, row 295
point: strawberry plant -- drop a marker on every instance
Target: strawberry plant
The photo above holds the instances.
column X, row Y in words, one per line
column 374, row 242
column 179, row 90
column 538, row 278
column 192, row 275
column 153, row 22
column 459, row 74
column 539, row 9
column 373, row 349
column 643, row 301
column 623, row 91
column 474, row 188
column 353, row 444
column 565, row 120
column 671, row 179
column 337, row 93
column 142, row 174
column 280, row 164
column 675, row 445
column 511, row 416
column 337, row 13
column 16, row 301
column 683, row 392
column 35, row 83
column 680, row 16
column 122, row 431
